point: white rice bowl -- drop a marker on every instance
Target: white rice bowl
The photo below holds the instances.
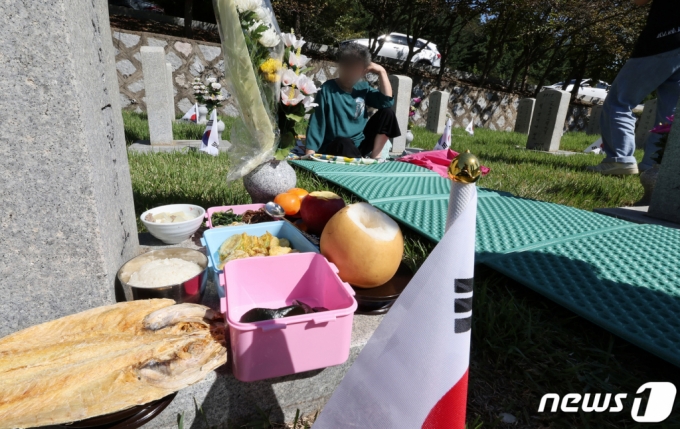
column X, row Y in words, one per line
column 164, row 272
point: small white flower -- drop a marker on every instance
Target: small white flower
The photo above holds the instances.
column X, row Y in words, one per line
column 288, row 39
column 309, row 103
column 298, row 43
column 306, row 85
column 264, row 14
column 298, row 61
column 216, row 86
column 269, row 38
column 289, row 77
column 211, row 80
column 246, row 5
column 290, row 96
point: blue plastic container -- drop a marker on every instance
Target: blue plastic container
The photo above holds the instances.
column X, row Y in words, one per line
column 213, row 239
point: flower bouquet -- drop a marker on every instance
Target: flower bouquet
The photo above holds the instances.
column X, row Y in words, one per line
column 297, row 90
column 253, row 54
column 208, row 93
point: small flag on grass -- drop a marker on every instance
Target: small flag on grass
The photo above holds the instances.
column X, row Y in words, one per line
column 211, row 137
column 596, row 148
column 470, row 128
column 192, row 114
column 445, row 140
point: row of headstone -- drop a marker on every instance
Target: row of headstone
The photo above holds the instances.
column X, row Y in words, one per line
column 547, row 121
column 158, row 87
column 401, row 93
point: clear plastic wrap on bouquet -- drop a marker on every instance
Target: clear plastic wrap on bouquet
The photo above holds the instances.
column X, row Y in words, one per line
column 253, row 54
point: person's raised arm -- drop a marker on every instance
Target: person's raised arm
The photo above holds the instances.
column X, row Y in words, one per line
column 383, row 80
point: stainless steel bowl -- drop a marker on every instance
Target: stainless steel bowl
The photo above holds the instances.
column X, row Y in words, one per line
column 188, row 291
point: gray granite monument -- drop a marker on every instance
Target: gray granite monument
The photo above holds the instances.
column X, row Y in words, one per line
column 647, row 122
column 525, row 110
column 159, row 108
column 436, row 111
column 666, row 197
column 67, row 215
column 547, row 122
column 594, row 120
column 401, row 92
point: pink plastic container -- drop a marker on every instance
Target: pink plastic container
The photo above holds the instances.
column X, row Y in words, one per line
column 274, row 348
column 236, row 209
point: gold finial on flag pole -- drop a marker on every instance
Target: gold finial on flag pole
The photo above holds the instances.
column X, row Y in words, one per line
column 465, row 168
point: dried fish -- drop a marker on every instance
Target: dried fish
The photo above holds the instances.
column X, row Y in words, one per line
column 105, row 360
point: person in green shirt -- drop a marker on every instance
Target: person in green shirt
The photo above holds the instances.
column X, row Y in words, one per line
column 340, row 124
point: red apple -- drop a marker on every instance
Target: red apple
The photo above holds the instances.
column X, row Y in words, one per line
column 318, row 207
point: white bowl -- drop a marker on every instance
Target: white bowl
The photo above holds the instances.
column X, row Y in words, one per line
column 174, row 233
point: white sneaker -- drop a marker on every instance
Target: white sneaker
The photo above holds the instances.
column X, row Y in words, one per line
column 614, row 168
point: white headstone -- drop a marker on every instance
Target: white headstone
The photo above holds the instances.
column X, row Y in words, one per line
column 666, row 197
column 647, row 122
column 158, row 107
column 67, row 218
column 547, row 122
column 525, row 111
column 171, row 90
column 436, row 112
column 594, row 120
column 401, row 92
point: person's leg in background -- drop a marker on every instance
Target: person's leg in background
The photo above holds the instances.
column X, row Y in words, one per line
column 666, row 101
column 341, row 146
column 381, row 127
column 638, row 78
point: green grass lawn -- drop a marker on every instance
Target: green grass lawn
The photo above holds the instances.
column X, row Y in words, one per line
column 523, row 345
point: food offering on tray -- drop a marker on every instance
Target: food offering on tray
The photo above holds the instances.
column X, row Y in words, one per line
column 105, row 360
column 260, row 314
column 249, row 217
column 244, row 246
column 167, row 217
column 317, row 208
column 364, row 243
column 291, row 201
column 164, row 272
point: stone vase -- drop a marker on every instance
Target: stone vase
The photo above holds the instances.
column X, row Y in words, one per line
column 268, row 180
column 202, row 114
column 409, row 138
column 648, row 181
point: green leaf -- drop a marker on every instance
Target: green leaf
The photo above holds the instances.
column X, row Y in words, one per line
column 294, row 117
column 180, row 421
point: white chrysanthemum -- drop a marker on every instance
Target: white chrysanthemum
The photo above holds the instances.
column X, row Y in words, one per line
column 264, row 14
column 211, row 80
column 216, row 86
column 269, row 38
column 246, row 5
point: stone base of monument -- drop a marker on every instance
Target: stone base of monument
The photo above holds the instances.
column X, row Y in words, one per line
column 224, row 399
column 144, row 146
column 636, row 215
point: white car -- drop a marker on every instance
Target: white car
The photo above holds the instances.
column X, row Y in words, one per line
column 587, row 92
column 396, row 46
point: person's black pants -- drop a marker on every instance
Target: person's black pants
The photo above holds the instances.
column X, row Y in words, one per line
column 384, row 121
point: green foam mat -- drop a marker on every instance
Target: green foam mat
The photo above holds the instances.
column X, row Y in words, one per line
column 382, row 168
column 627, row 281
column 622, row 276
